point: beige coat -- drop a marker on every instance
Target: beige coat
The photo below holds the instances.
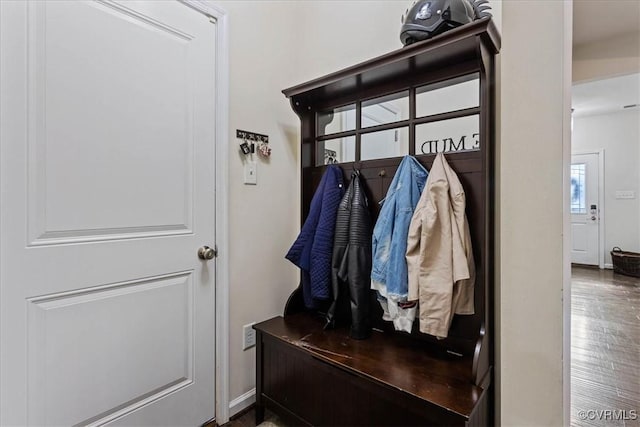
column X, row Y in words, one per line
column 439, row 255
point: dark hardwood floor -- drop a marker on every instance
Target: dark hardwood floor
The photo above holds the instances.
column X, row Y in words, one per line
column 605, row 348
column 248, row 419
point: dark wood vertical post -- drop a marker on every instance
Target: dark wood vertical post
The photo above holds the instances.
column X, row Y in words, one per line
column 259, row 379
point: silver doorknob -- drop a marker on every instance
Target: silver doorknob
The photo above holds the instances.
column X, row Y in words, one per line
column 206, row 253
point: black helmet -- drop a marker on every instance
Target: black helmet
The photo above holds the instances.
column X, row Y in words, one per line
column 426, row 18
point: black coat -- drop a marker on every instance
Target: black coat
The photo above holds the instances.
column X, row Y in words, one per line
column 351, row 262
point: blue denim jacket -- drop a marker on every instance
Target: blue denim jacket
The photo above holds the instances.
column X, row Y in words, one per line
column 389, row 270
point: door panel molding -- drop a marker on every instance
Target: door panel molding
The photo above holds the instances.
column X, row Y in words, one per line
column 105, row 234
column 91, row 378
column 142, row 18
column 135, row 404
column 57, row 220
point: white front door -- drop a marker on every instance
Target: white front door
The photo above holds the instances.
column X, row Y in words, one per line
column 107, row 192
column 585, row 209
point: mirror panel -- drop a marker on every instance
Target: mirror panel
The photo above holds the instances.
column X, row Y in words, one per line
column 339, row 150
column 450, row 95
column 386, row 143
column 385, row 109
column 339, row 119
column 446, row 136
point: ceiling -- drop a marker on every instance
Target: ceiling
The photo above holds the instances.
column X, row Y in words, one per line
column 602, row 19
column 595, row 20
column 606, row 96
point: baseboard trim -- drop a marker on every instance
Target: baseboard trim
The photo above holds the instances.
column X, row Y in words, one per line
column 591, row 266
column 242, row 402
column 608, row 266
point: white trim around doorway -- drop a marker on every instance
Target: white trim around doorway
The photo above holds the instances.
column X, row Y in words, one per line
column 214, row 11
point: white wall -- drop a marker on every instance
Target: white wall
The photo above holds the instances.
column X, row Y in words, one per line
column 336, row 34
column 264, row 218
column 343, row 33
column 275, row 45
column 619, row 135
column 607, row 58
column 533, row 154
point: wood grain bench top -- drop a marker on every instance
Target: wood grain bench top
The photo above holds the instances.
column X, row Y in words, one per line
column 391, row 359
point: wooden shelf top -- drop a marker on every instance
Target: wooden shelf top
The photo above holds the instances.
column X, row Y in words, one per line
column 452, row 46
column 391, row 359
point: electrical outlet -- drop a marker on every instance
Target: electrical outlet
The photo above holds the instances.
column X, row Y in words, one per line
column 248, row 336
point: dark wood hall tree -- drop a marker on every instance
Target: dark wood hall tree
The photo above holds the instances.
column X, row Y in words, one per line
column 311, row 376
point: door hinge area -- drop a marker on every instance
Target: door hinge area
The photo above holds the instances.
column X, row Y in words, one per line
column 212, row 19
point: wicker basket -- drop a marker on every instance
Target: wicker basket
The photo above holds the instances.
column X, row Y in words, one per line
column 624, row 262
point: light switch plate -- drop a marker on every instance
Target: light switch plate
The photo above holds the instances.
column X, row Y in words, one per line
column 251, row 173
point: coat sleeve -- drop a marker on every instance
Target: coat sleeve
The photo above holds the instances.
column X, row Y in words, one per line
column 359, row 263
column 322, row 246
column 413, row 255
column 463, row 289
column 436, row 281
column 336, row 312
column 463, row 262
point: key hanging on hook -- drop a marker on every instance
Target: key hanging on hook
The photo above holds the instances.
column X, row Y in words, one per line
column 245, row 147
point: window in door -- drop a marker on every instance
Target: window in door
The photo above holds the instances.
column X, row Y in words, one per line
column 578, row 199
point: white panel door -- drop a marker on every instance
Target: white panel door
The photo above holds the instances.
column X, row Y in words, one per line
column 107, row 192
column 585, row 211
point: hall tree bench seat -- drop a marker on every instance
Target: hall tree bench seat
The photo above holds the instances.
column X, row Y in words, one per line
column 311, row 376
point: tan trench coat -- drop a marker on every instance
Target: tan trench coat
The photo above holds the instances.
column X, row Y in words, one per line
column 439, row 255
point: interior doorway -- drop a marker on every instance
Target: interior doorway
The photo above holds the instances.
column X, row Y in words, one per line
column 605, row 176
column 601, row 315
